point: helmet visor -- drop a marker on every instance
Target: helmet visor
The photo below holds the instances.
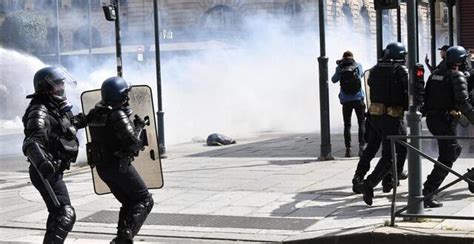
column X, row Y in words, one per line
column 59, row 80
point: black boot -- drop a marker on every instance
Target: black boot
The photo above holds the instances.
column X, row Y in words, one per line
column 367, row 192
column 470, row 175
column 124, row 234
column 403, row 175
column 432, row 203
column 348, row 152
column 356, row 181
column 386, row 188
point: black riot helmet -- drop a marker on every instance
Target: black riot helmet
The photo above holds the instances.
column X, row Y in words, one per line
column 395, row 51
column 51, row 81
column 114, row 91
column 456, row 55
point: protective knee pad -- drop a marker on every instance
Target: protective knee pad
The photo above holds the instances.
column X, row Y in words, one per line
column 59, row 224
column 123, row 230
column 138, row 213
column 449, row 154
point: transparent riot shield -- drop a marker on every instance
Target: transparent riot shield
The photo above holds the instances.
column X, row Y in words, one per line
column 148, row 162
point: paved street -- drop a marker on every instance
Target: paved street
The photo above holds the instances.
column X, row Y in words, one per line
column 269, row 188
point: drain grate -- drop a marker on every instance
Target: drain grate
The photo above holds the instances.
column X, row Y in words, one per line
column 219, row 221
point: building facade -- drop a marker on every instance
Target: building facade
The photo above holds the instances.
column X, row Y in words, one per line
column 184, row 20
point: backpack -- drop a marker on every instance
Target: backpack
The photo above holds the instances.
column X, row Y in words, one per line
column 350, row 81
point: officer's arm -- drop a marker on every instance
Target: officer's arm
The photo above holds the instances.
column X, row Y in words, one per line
column 125, row 130
column 460, row 91
column 402, row 74
column 79, row 121
column 337, row 75
column 37, row 131
column 461, row 95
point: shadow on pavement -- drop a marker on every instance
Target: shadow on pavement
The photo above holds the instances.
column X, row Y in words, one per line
column 296, row 145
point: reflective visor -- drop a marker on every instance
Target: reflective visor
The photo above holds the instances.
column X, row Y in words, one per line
column 59, row 79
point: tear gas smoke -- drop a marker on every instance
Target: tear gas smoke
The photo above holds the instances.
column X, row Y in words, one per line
column 267, row 81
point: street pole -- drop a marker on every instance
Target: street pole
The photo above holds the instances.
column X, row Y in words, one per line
column 160, row 113
column 323, row 88
column 433, row 32
column 450, row 4
column 58, row 46
column 417, row 31
column 458, row 22
column 399, row 24
column 89, row 19
column 118, row 43
column 379, row 32
column 413, row 118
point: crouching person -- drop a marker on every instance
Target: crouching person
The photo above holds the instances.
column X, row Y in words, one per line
column 115, row 141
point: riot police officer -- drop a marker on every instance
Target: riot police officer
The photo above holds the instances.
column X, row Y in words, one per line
column 446, row 97
column 388, row 83
column 372, row 136
column 115, row 140
column 51, row 145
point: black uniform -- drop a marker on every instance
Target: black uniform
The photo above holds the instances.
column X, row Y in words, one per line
column 372, row 136
column 51, row 144
column 389, row 99
column 446, row 93
column 114, row 143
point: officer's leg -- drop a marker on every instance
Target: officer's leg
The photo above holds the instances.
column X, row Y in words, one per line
column 347, row 116
column 60, row 220
column 58, row 186
column 114, row 180
column 368, row 154
column 60, row 223
column 449, row 151
column 389, row 126
column 360, row 113
column 401, row 154
column 139, row 203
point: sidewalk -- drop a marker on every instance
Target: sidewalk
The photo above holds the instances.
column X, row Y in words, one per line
column 265, row 189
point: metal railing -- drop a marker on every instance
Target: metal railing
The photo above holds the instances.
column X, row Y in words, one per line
column 399, row 213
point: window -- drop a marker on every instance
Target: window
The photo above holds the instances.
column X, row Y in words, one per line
column 346, row 10
column 387, row 29
column 84, row 4
column 46, row 4
column 11, row 5
column 220, row 17
column 445, row 17
column 365, row 20
column 292, row 9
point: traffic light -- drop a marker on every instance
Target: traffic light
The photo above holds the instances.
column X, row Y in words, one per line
column 109, row 12
column 418, row 84
column 386, row 4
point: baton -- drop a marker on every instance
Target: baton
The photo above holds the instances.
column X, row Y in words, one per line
column 48, row 187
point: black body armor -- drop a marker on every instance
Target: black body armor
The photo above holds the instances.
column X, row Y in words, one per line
column 53, row 131
column 389, row 84
column 447, row 90
column 114, row 137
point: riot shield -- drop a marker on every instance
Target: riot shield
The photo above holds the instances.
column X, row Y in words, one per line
column 367, row 88
column 148, row 162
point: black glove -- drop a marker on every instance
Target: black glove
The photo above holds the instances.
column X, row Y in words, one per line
column 139, row 122
column 422, row 111
column 48, row 168
column 80, row 121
